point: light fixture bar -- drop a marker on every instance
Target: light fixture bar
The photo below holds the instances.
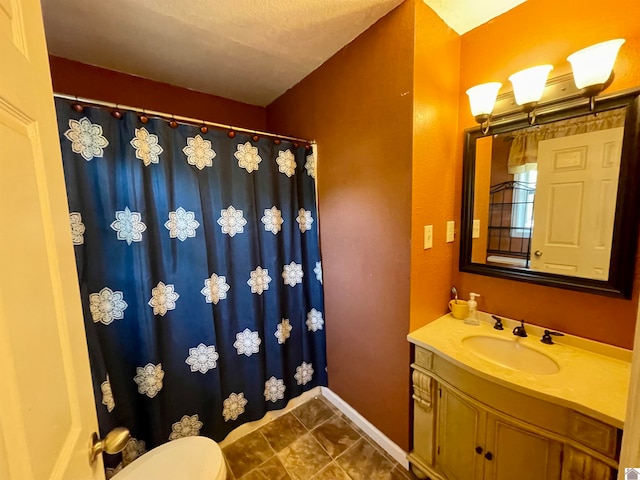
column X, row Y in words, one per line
column 561, row 88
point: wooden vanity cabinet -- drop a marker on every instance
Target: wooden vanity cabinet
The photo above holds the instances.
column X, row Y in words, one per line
column 459, row 437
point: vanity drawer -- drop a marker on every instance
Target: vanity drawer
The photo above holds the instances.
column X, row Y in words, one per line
column 424, row 358
column 593, row 433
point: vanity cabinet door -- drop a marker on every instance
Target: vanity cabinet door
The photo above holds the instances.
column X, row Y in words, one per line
column 578, row 465
column 513, row 452
column 460, row 435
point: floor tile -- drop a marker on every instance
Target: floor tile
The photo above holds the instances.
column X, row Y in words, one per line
column 272, row 469
column 230, row 475
column 282, row 431
column 304, row 458
column 335, row 436
column 364, row 462
column 400, row 473
column 329, row 404
column 300, row 445
column 247, row 453
column 332, row 472
column 352, row 425
column 313, row 413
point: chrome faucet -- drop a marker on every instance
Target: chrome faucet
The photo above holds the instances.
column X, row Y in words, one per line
column 520, row 331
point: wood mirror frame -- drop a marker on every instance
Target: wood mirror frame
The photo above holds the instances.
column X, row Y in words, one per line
column 627, row 213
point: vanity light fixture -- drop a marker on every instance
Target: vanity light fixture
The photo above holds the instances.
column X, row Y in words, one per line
column 528, row 87
column 593, row 67
column 592, row 73
column 482, row 99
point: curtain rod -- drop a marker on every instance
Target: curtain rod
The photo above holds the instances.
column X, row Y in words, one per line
column 168, row 116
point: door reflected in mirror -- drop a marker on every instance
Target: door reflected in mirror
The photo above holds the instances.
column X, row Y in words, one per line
column 551, row 196
column 555, row 203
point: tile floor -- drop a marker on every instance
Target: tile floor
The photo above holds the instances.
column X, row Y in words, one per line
column 314, row 441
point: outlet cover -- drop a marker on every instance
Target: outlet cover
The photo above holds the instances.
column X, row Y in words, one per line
column 428, row 236
column 451, row 231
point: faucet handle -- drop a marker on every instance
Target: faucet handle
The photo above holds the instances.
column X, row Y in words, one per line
column 498, row 325
column 520, row 331
column 546, row 338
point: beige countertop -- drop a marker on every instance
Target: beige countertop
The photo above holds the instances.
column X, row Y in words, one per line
column 593, row 377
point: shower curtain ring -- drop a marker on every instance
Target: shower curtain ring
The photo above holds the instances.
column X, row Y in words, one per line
column 77, row 107
column 116, row 113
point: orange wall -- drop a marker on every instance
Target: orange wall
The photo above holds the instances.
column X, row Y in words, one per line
column 78, row 79
column 358, row 106
column 546, row 31
column 437, row 162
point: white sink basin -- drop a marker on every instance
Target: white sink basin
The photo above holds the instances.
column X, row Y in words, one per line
column 190, row 458
column 511, row 354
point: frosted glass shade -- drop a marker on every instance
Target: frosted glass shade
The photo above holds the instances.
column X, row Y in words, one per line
column 593, row 65
column 482, row 99
column 528, row 84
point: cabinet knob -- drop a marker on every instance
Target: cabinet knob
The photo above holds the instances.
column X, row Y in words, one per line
column 478, row 450
column 488, row 456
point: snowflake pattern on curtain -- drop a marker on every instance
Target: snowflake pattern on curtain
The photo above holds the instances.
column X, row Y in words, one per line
column 107, row 306
column 190, row 329
column 129, row 226
column 272, row 220
column 147, row 148
column 199, row 152
column 286, row 163
column 86, row 138
column 248, row 157
column 234, row 406
column 182, row 224
column 283, row 331
column 77, row 228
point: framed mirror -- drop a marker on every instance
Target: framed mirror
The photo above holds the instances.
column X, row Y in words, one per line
column 556, row 203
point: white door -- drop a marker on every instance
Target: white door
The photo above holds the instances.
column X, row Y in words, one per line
column 575, row 204
column 47, row 410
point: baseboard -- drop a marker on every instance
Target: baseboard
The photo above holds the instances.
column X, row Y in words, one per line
column 249, row 427
column 376, row 435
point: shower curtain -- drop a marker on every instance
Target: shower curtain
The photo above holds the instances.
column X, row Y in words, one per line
column 199, row 270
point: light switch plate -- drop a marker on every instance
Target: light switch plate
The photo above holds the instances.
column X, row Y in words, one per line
column 451, row 231
column 428, row 236
column 476, row 229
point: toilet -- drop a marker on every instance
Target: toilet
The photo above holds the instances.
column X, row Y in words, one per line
column 189, row 458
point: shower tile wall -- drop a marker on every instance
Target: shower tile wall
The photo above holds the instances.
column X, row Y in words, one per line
column 313, row 442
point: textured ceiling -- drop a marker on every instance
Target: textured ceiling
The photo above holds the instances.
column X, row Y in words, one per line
column 465, row 15
column 246, row 50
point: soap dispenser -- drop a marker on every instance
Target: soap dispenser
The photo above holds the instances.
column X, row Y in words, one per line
column 472, row 319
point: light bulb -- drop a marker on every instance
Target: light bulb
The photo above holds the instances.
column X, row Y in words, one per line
column 528, row 85
column 592, row 66
column 482, row 99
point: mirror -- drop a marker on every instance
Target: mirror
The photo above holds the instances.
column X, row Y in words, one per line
column 556, row 203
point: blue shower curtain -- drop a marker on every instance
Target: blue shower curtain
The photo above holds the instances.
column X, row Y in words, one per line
column 199, row 269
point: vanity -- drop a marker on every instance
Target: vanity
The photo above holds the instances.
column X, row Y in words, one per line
column 489, row 405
